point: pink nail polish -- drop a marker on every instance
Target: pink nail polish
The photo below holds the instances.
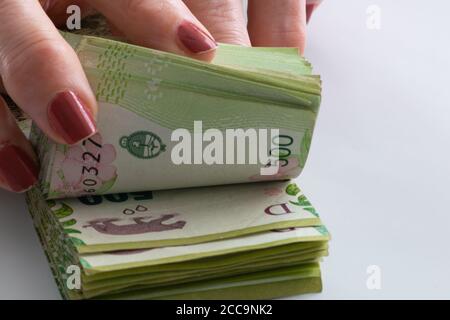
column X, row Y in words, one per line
column 70, row 118
column 194, row 38
column 17, row 169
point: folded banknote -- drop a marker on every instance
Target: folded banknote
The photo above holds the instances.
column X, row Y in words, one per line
column 167, row 121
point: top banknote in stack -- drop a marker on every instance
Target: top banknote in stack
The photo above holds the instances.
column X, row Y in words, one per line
column 146, row 95
column 250, row 241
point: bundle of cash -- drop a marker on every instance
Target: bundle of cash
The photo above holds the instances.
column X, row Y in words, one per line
column 249, row 241
column 167, row 121
column 200, row 233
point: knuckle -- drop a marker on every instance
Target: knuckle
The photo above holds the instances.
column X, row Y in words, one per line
column 224, row 19
column 222, row 11
column 294, row 36
column 140, row 8
column 30, row 55
column 231, row 36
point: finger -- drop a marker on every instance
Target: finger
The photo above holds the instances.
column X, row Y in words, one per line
column 18, row 165
column 42, row 74
column 275, row 23
column 224, row 19
column 166, row 25
column 311, row 5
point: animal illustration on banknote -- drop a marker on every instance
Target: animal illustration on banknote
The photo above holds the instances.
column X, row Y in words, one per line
column 139, row 225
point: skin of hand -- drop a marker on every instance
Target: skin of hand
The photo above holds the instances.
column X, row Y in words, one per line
column 43, row 75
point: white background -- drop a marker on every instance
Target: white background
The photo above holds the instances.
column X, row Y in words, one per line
column 379, row 168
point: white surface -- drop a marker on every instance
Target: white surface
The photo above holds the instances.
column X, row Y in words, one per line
column 379, row 168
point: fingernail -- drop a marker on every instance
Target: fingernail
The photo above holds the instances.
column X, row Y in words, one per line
column 194, row 38
column 17, row 169
column 70, row 118
column 46, row 4
column 309, row 10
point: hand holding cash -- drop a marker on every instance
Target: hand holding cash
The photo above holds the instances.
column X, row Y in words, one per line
column 94, row 212
column 180, row 188
column 44, row 76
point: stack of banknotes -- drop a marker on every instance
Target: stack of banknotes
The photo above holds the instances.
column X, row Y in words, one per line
column 247, row 241
column 205, row 230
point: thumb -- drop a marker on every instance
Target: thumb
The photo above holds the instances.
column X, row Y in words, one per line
column 43, row 75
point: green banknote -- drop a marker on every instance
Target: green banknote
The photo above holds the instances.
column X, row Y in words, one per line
column 164, row 118
column 274, row 258
column 175, row 217
column 201, row 233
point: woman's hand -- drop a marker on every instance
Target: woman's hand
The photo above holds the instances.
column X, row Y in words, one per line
column 42, row 74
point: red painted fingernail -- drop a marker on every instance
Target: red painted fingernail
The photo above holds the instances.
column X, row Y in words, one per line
column 194, row 38
column 46, row 4
column 70, row 118
column 309, row 10
column 17, row 169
